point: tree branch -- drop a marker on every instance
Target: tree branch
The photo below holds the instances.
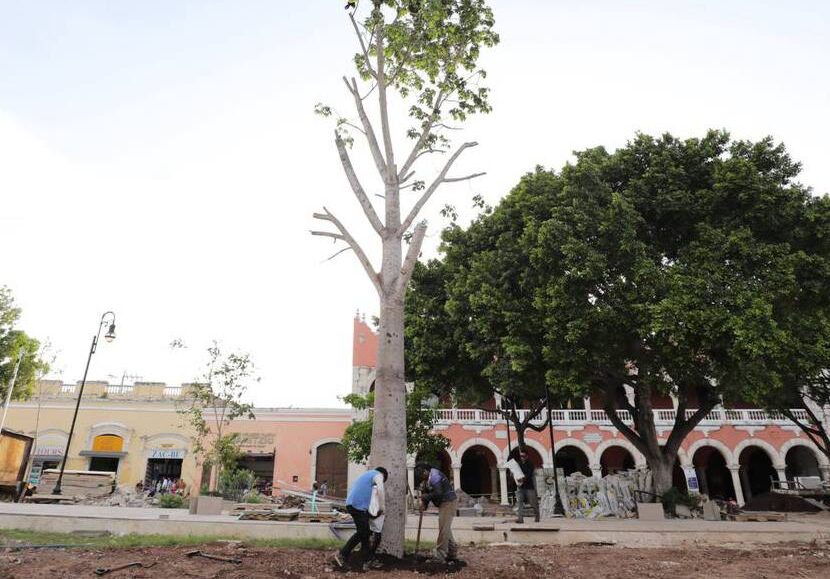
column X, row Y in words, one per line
column 411, row 257
column 384, row 107
column 357, row 188
column 431, row 189
column 422, row 138
column 374, row 147
column 358, row 251
column 466, row 178
column 363, row 47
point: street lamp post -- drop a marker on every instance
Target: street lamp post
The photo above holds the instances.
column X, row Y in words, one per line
column 8, row 401
column 109, row 337
column 557, row 506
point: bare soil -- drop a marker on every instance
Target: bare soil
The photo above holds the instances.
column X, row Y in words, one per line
column 491, row 562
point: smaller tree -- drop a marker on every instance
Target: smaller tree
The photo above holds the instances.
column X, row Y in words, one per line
column 16, row 343
column 420, row 420
column 215, row 399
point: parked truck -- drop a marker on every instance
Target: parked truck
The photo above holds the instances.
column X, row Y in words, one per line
column 15, row 448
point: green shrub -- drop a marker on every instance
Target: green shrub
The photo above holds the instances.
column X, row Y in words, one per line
column 253, row 497
column 171, row 501
column 675, row 496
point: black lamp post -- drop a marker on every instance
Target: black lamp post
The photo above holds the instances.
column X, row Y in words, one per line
column 557, row 505
column 108, row 321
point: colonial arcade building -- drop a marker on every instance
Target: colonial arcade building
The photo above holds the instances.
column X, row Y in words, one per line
column 136, row 432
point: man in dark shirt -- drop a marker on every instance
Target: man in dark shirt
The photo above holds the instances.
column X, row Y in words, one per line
column 526, row 488
column 438, row 489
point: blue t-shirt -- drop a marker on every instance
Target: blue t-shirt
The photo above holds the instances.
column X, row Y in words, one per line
column 360, row 495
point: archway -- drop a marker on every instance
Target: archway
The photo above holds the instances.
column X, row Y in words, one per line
column 713, row 475
column 441, row 461
column 615, row 459
column 757, row 472
column 332, row 467
column 801, row 461
column 479, row 475
column 572, row 459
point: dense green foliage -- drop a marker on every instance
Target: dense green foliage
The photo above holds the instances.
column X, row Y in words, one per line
column 171, row 501
column 420, row 418
column 691, row 268
column 15, row 343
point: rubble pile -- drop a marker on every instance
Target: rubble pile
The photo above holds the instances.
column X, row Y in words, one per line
column 586, row 497
column 80, row 483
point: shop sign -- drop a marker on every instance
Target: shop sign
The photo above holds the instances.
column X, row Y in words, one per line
column 168, row 453
column 49, row 451
column 691, row 479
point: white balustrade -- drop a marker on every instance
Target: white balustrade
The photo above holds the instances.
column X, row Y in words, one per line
column 566, row 416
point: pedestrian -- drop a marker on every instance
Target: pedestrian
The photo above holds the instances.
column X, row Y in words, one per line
column 358, row 502
column 526, row 487
column 436, row 488
column 324, row 488
column 314, row 497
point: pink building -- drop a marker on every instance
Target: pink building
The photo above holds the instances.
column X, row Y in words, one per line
column 735, row 452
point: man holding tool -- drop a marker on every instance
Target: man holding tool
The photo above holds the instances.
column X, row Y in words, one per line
column 436, row 488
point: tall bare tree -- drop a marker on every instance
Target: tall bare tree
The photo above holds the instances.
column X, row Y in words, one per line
column 425, row 52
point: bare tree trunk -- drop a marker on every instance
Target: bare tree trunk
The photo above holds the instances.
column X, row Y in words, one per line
column 662, row 470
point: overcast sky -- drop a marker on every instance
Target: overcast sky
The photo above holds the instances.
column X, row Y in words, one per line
column 161, row 158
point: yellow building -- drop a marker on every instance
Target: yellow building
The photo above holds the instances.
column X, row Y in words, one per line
column 134, row 431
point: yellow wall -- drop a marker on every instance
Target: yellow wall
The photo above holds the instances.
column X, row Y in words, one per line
column 147, row 427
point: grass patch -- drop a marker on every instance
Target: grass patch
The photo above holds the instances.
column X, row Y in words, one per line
column 13, row 537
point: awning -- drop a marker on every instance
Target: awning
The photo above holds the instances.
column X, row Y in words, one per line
column 102, row 454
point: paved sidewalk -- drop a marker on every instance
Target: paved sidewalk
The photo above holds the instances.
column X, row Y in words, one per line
column 123, row 520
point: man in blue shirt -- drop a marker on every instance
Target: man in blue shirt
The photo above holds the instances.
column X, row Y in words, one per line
column 358, row 504
column 437, row 489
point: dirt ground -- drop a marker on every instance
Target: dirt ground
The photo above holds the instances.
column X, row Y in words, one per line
column 491, row 562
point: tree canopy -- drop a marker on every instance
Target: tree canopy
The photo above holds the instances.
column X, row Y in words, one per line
column 668, row 267
column 13, row 344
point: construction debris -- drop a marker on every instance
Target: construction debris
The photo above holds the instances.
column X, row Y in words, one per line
column 233, row 560
column 591, row 497
column 104, row 570
column 80, row 483
column 270, row 515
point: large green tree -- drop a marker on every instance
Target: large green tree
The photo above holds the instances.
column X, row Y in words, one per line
column 803, row 392
column 14, row 344
column 425, row 52
column 663, row 268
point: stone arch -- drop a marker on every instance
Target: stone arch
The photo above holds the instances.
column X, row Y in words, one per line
column 793, row 442
column 615, row 458
column 116, row 428
column 560, row 444
column 538, row 447
column 731, row 459
column 774, row 455
column 572, row 459
column 639, row 459
column 499, row 453
column 757, row 470
column 712, row 467
column 479, row 471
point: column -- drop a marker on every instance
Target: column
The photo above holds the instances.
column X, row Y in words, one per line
column 596, row 470
column 824, row 472
column 736, row 482
column 494, row 481
column 456, row 476
column 782, row 472
column 410, row 477
column 503, row 485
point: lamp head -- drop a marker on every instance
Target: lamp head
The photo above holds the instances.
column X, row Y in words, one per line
column 110, row 335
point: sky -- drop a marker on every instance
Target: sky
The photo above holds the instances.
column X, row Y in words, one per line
column 161, row 159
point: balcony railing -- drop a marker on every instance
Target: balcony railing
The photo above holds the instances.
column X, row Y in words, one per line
column 662, row 417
